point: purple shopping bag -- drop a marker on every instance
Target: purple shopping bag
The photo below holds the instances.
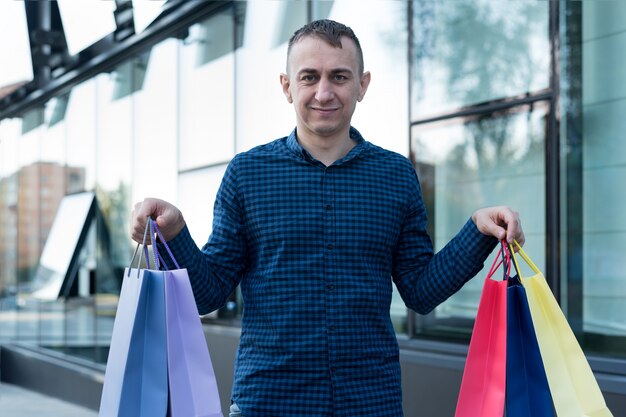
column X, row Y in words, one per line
column 192, row 384
column 193, row 388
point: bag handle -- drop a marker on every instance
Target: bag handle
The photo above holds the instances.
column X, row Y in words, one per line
column 526, row 258
column 515, row 264
column 145, row 250
column 156, row 233
column 506, row 260
column 158, row 259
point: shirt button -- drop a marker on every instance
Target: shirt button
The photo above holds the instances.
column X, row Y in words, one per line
column 329, row 246
column 328, row 207
column 330, row 287
column 331, row 328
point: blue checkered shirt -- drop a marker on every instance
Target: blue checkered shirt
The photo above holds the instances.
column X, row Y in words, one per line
column 315, row 250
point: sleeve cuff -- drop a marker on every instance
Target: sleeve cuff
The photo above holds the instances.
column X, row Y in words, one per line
column 475, row 245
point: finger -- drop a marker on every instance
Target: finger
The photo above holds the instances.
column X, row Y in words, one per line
column 494, row 230
column 138, row 220
column 514, row 228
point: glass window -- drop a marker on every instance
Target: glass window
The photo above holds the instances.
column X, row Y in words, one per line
column 468, row 163
column 86, row 22
column 155, row 127
column 81, row 127
column 593, row 97
column 29, row 149
column 467, row 52
column 196, row 193
column 382, row 116
column 14, row 43
column 207, row 91
column 9, row 134
column 144, row 12
column 263, row 113
column 114, row 162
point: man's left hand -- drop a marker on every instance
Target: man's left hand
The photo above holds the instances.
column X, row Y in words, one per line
column 500, row 222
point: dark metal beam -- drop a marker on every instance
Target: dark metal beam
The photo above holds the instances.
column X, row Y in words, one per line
column 107, row 53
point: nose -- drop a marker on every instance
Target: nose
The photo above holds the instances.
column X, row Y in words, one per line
column 324, row 91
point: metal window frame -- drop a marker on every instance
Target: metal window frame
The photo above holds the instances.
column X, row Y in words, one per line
column 105, row 54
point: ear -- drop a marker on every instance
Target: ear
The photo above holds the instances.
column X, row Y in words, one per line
column 286, row 84
column 364, row 83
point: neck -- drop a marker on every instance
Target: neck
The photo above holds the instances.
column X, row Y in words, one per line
column 327, row 150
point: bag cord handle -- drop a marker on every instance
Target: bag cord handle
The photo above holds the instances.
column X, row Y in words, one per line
column 156, row 233
column 505, row 261
column 158, row 259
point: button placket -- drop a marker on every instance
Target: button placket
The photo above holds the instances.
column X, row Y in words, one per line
column 328, row 210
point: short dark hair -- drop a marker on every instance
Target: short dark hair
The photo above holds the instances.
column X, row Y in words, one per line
column 330, row 32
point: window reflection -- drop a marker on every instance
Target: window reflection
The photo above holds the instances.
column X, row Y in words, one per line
column 466, row 164
column 14, row 43
column 594, row 102
column 155, row 126
column 198, row 206
column 86, row 22
column 9, row 132
column 469, row 52
column 144, row 12
column 207, row 90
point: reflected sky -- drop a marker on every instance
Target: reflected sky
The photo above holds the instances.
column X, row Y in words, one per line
column 85, row 22
column 14, row 43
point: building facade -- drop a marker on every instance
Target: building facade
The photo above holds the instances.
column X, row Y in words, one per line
column 515, row 102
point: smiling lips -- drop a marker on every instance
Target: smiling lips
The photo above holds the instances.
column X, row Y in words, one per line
column 324, row 110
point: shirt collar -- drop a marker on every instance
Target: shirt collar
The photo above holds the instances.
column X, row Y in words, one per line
column 294, row 146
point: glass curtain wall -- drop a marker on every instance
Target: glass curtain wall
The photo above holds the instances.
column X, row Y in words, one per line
column 121, row 135
column 165, row 124
column 479, row 117
column 483, row 98
column 478, row 100
column 593, row 102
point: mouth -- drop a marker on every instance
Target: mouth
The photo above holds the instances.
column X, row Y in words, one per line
column 324, row 110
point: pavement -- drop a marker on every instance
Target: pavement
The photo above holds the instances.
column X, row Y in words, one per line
column 19, row 402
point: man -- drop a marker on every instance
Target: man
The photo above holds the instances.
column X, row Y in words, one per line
column 314, row 226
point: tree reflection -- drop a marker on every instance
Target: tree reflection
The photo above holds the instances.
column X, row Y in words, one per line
column 483, row 51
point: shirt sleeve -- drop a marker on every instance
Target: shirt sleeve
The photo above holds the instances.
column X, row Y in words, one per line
column 216, row 269
column 424, row 279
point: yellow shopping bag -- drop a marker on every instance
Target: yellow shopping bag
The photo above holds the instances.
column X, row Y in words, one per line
column 574, row 389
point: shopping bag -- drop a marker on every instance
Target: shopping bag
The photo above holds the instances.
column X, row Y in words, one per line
column 135, row 383
column 192, row 384
column 145, row 385
column 120, row 342
column 527, row 390
column 574, row 389
column 482, row 390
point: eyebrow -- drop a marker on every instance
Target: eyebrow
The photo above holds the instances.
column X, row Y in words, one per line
column 340, row 70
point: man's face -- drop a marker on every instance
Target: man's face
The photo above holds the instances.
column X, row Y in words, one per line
column 324, row 85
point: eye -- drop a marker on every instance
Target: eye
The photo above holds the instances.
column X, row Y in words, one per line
column 308, row 78
column 340, row 77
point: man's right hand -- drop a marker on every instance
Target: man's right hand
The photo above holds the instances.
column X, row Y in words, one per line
column 169, row 219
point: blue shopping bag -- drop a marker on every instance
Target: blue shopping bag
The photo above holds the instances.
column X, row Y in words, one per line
column 144, row 386
column 527, row 390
